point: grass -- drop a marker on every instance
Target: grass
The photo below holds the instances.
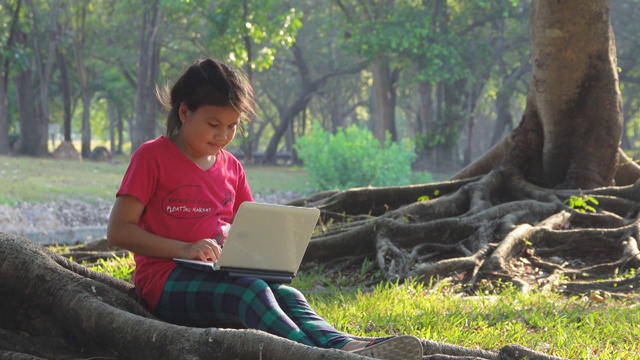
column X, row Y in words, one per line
column 576, row 327
column 25, row 179
column 266, row 180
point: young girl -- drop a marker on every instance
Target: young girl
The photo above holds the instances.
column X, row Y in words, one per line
column 176, row 200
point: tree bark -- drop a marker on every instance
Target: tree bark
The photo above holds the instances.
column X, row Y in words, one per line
column 574, row 110
column 30, row 131
column 85, row 149
column 5, row 146
column 384, row 90
column 144, row 123
column 66, row 96
column 37, row 142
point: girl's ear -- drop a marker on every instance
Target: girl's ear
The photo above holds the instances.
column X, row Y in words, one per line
column 183, row 112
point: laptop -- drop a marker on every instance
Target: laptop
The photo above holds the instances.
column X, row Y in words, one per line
column 266, row 241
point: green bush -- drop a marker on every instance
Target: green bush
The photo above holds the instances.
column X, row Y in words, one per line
column 353, row 158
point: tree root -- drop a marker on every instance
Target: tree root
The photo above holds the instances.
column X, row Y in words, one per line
column 496, row 227
column 59, row 309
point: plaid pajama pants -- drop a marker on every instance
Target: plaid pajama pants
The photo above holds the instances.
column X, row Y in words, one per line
column 196, row 298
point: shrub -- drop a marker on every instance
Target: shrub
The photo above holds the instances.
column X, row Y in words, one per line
column 353, row 158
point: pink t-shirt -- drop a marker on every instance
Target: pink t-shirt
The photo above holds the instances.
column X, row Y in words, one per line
column 182, row 202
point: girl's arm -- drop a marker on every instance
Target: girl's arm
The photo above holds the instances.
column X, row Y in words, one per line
column 123, row 231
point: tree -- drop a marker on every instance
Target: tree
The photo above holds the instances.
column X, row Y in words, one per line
column 8, row 40
column 309, row 87
column 144, row 122
column 32, row 82
column 371, row 40
column 516, row 201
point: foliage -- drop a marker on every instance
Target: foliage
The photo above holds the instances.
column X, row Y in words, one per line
column 581, row 203
column 436, row 43
column 436, row 193
column 353, row 158
column 119, row 267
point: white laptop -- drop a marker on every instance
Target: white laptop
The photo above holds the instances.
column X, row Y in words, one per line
column 266, row 241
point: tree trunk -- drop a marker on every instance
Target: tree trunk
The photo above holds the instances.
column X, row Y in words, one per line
column 384, row 91
column 30, row 131
column 44, row 67
column 144, row 123
column 5, row 146
column 4, row 116
column 66, row 96
column 85, row 149
column 248, row 143
column 573, row 110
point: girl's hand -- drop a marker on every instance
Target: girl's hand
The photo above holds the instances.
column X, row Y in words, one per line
column 205, row 250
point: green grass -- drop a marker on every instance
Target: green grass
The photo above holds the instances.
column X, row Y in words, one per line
column 575, row 328
column 266, row 180
column 25, row 179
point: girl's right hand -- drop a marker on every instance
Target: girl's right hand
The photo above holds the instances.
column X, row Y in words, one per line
column 204, row 250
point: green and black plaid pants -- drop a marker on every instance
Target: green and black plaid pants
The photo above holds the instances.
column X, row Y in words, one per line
column 196, row 298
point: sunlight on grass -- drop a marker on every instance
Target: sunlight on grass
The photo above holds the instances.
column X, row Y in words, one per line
column 265, row 180
column 118, row 267
column 566, row 327
column 39, row 180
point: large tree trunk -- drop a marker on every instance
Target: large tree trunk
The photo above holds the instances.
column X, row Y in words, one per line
column 574, row 106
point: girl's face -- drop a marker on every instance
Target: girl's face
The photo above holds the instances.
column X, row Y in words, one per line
column 207, row 130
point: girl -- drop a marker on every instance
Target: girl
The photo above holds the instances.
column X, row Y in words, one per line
column 177, row 198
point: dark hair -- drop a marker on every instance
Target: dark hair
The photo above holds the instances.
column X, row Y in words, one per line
column 207, row 82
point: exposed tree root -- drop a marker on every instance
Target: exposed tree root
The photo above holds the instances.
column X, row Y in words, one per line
column 496, row 227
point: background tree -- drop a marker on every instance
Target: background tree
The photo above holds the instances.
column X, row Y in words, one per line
column 375, row 21
column 144, row 122
column 9, row 19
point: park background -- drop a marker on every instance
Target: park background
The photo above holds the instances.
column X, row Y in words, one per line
column 451, row 75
